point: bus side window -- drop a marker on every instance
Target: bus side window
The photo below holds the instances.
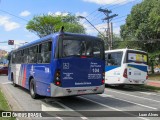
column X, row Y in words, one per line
column 25, row 58
column 46, row 52
column 13, row 58
column 33, row 54
column 39, row 57
column 109, row 60
column 114, row 59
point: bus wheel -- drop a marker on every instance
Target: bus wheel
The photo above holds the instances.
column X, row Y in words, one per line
column 32, row 89
column 13, row 82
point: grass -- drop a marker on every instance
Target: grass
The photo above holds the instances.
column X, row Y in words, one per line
column 154, row 77
column 4, row 106
column 152, row 88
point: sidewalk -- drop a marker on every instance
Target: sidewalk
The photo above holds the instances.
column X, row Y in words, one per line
column 153, row 83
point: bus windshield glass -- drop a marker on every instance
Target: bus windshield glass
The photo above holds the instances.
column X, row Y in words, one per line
column 83, row 48
column 137, row 57
column 113, row 58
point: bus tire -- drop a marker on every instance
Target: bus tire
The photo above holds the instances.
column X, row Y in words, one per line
column 13, row 82
column 121, row 86
column 32, row 89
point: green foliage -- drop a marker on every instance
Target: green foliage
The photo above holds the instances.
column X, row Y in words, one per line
column 4, row 106
column 47, row 24
column 143, row 24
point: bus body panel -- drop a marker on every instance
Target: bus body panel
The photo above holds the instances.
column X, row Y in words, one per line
column 136, row 72
column 87, row 73
column 16, row 71
column 80, row 72
column 113, row 75
column 70, row 91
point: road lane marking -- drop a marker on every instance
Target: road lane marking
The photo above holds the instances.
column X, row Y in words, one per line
column 145, row 93
column 105, row 95
column 111, row 107
column 84, row 118
column 100, row 103
column 48, row 108
column 6, row 83
column 149, row 93
column 134, row 96
column 135, row 103
column 69, row 109
column 59, row 118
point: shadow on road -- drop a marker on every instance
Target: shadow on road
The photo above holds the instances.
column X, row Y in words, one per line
column 130, row 88
column 80, row 103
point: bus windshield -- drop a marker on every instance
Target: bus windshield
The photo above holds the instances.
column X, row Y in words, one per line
column 83, row 48
column 137, row 57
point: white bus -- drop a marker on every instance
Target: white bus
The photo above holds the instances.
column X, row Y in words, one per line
column 126, row 66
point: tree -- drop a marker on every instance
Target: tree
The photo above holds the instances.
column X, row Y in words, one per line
column 47, row 24
column 143, row 24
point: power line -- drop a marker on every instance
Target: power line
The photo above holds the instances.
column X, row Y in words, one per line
column 123, row 4
column 108, row 6
column 117, row 3
column 97, row 17
column 113, row 8
column 93, row 18
column 109, row 31
column 119, row 17
column 118, row 21
column 13, row 15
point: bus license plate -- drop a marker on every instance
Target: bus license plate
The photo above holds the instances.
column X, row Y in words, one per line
column 136, row 81
column 81, row 92
column 137, row 73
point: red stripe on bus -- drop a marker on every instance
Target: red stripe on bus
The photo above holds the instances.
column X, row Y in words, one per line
column 24, row 78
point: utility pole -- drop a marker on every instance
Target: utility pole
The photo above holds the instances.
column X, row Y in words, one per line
column 111, row 35
column 108, row 19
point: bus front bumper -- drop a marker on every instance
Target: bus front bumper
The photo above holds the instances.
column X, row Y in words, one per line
column 57, row 91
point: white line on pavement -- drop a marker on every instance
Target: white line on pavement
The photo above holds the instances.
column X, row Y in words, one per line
column 133, row 95
column 105, row 95
column 7, row 83
column 149, row 93
column 69, row 109
column 46, row 108
column 84, row 118
column 100, row 103
column 110, row 107
column 146, row 93
column 135, row 103
column 59, row 118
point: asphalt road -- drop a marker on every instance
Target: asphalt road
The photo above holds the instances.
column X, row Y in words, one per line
column 113, row 100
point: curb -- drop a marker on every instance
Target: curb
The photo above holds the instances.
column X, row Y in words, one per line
column 13, row 104
column 155, row 84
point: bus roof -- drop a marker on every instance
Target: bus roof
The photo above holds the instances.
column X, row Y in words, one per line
column 123, row 50
column 52, row 36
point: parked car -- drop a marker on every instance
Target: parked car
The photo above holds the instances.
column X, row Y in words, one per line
column 4, row 70
column 157, row 70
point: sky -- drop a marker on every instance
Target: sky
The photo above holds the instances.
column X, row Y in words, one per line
column 15, row 14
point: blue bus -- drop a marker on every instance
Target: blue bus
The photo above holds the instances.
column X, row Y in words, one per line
column 61, row 64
